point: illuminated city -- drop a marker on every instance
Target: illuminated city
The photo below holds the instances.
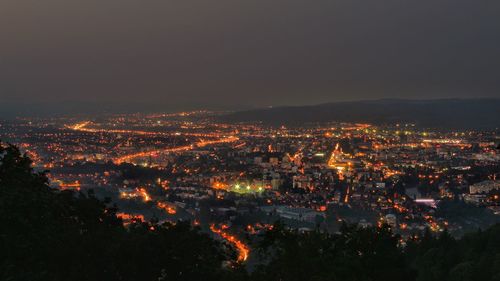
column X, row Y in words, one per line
column 229, row 177
column 338, row 140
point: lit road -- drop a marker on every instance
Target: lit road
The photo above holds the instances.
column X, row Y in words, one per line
column 243, row 250
column 83, row 127
column 129, row 157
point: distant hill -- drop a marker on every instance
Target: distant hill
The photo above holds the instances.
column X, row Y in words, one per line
column 443, row 113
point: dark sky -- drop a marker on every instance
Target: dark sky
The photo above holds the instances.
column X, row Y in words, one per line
column 244, row 53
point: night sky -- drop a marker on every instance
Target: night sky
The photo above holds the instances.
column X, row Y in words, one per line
column 240, row 54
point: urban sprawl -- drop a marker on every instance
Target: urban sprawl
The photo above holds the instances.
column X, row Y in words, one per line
column 237, row 180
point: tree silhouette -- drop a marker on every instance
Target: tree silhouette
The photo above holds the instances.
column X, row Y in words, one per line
column 51, row 235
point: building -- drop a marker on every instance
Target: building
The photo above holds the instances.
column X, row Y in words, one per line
column 484, row 187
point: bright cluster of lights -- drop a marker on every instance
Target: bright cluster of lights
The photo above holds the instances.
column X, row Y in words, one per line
column 138, row 192
column 238, row 188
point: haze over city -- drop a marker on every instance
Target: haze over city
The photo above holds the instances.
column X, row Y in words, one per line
column 232, row 140
column 59, row 56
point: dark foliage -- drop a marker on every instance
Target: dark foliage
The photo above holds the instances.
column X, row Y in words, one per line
column 354, row 254
column 377, row 254
column 48, row 235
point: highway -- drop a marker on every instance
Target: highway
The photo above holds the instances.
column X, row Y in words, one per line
column 129, row 157
column 83, row 127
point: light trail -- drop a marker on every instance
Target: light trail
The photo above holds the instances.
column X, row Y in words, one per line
column 332, row 162
column 169, row 209
column 69, row 185
column 243, row 250
column 127, row 158
column 83, row 127
column 144, row 194
column 346, row 199
column 80, row 126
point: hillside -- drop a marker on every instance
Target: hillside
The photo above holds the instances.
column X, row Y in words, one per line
column 444, row 113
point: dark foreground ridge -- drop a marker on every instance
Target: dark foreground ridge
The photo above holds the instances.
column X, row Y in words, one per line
column 443, row 113
column 51, row 235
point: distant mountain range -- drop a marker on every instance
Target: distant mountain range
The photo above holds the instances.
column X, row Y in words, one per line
column 442, row 113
